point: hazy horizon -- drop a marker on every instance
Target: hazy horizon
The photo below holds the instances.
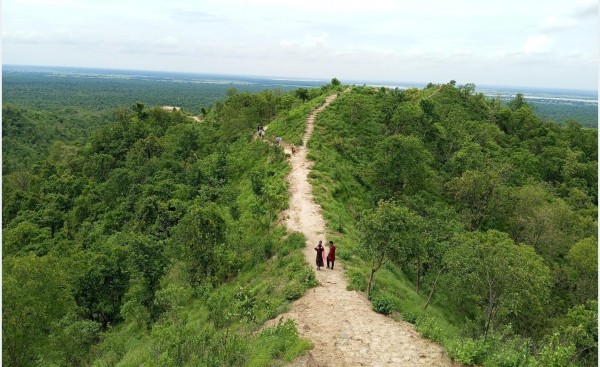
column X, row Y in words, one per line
column 541, row 43
column 383, row 82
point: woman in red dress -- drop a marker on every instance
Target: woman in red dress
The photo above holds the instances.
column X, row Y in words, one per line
column 331, row 255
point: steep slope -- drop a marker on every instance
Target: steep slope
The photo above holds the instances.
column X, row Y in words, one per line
column 340, row 323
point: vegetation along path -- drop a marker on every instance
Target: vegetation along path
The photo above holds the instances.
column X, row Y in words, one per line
column 340, row 323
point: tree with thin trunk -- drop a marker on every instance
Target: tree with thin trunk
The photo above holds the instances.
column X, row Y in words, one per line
column 495, row 281
column 389, row 233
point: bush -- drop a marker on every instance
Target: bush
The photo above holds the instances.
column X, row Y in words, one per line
column 356, row 280
column 306, row 277
column 296, row 240
column 279, row 342
column 468, row 351
column 429, row 328
column 344, row 254
column 293, row 290
column 382, row 305
column 509, row 357
column 409, row 317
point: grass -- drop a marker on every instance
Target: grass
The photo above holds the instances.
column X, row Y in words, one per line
column 292, row 125
column 219, row 327
column 338, row 148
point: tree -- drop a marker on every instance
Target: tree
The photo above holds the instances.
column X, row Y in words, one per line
column 198, row 240
column 302, row 93
column 478, row 195
column 101, row 289
column 138, row 108
column 469, row 157
column 401, row 165
column 36, row 295
column 408, row 119
column 390, row 232
column 544, row 222
column 583, row 269
column 335, row 82
column 517, row 102
column 493, row 280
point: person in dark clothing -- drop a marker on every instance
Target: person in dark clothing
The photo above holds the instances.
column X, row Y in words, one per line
column 320, row 250
column 331, row 255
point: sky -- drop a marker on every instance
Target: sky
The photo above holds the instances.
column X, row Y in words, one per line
column 527, row 43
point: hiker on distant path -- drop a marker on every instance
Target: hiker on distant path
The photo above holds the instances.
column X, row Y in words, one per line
column 278, row 140
column 261, row 131
column 320, row 249
column 331, row 255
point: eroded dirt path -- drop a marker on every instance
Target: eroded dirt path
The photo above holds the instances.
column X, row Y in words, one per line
column 340, row 323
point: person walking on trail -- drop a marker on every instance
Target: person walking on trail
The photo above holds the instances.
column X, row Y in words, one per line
column 331, row 255
column 261, row 131
column 278, row 140
column 320, row 250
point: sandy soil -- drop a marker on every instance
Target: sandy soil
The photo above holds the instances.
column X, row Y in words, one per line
column 340, row 323
column 171, row 108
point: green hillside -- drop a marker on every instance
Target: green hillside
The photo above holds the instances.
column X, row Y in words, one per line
column 154, row 242
column 144, row 237
column 479, row 221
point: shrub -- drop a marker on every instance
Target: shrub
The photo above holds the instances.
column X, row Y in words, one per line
column 409, row 317
column 344, row 254
column 382, row 305
column 281, row 341
column 356, row 280
column 429, row 328
column 293, row 290
column 507, row 356
column 306, row 277
column 468, row 351
column 296, row 240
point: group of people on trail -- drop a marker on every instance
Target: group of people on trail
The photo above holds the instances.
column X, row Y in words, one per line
column 330, row 255
column 260, row 130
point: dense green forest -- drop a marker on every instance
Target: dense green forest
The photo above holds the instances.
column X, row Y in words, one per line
column 473, row 220
column 142, row 237
column 154, row 242
column 585, row 114
column 57, row 92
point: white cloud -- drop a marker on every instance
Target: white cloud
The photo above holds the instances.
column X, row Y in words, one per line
column 329, row 6
column 167, row 42
column 71, row 4
column 538, row 44
column 308, row 41
column 586, row 8
column 382, row 39
column 34, row 37
column 27, row 37
column 557, row 24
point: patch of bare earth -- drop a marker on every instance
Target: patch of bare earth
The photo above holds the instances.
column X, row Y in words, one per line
column 175, row 108
column 340, row 323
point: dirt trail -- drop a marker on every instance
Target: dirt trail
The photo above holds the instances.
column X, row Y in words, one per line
column 340, row 323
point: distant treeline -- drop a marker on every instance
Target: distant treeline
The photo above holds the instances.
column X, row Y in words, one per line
column 43, row 91
column 51, row 90
column 584, row 113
